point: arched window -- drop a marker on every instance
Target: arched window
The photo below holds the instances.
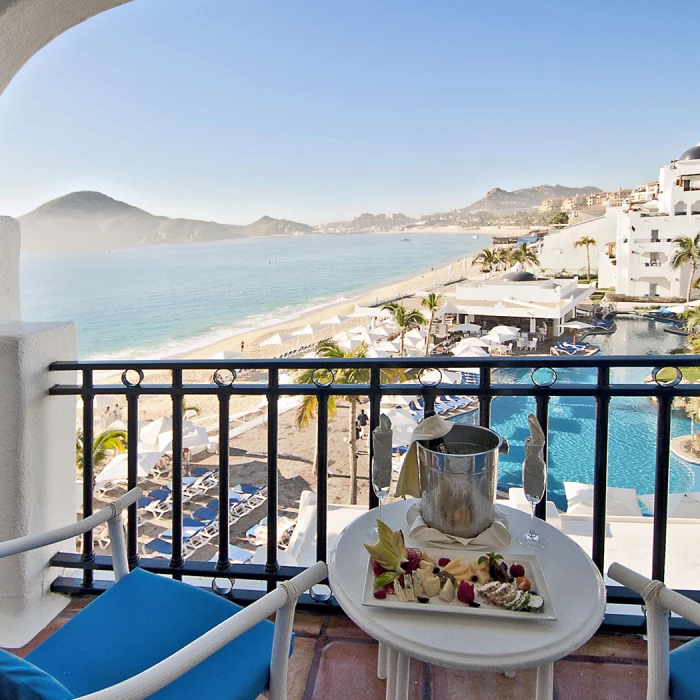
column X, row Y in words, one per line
column 681, row 209
column 695, row 207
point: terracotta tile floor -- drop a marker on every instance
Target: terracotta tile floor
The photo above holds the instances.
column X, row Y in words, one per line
column 334, row 660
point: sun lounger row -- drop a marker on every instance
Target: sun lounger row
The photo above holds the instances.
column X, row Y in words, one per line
column 567, row 348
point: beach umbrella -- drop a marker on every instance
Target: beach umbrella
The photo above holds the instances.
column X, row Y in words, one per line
column 370, row 312
column 117, row 468
column 388, row 347
column 350, row 343
column 472, row 343
column 397, row 400
column 467, row 327
column 378, row 333
column 307, row 330
column 358, row 330
column 375, row 354
column 417, row 334
column 680, row 505
column 402, row 426
column 277, row 339
column 333, row 321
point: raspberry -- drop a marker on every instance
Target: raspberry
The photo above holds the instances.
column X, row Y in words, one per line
column 444, row 561
column 465, row 592
column 380, row 594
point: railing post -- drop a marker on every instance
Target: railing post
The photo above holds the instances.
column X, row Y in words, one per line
column 484, row 398
column 177, row 560
column 375, row 403
column 663, row 450
column 542, row 401
column 322, row 476
column 600, row 470
column 132, row 432
column 224, row 405
column 88, row 554
column 272, row 565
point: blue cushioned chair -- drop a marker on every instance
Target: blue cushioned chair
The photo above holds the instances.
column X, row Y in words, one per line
column 675, row 675
column 150, row 636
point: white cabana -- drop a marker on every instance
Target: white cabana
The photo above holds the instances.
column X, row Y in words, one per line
column 277, row 339
column 449, row 308
column 117, row 468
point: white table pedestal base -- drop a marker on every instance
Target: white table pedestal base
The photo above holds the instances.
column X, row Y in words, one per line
column 382, row 661
column 545, row 682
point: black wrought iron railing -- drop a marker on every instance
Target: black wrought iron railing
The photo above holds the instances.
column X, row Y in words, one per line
column 233, row 378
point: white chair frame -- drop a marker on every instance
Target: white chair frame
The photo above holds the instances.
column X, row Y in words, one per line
column 660, row 602
column 282, row 602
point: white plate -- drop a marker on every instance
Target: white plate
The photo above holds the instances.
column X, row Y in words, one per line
column 437, row 605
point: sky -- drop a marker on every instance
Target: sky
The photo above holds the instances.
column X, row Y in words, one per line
column 319, row 110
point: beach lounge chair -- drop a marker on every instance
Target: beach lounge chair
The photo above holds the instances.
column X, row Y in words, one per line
column 237, row 555
column 160, row 503
column 145, row 659
column 674, row 675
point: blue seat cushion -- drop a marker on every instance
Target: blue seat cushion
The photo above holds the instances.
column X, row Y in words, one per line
column 685, row 672
column 22, row 680
column 140, row 621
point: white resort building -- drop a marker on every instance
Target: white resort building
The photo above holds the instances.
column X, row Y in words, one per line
column 634, row 240
column 519, row 295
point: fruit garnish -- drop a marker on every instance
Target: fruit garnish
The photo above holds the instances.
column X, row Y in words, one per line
column 523, row 583
column 380, row 594
column 390, row 550
column 517, row 570
column 377, row 568
column 414, row 559
column 465, row 592
column 386, row 577
column 443, row 561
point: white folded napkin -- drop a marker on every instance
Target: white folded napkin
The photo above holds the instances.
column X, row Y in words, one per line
column 381, row 458
column 409, row 480
column 533, row 466
column 497, row 535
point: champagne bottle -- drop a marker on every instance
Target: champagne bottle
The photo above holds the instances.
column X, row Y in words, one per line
column 436, row 444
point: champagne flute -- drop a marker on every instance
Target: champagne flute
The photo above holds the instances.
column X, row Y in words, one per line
column 381, row 483
column 534, row 488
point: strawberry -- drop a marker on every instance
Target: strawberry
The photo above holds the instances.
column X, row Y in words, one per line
column 465, row 592
column 414, row 559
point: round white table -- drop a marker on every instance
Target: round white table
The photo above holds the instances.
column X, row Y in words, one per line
column 478, row 643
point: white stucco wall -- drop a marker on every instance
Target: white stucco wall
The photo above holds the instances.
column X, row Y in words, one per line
column 557, row 250
column 9, row 270
column 26, row 26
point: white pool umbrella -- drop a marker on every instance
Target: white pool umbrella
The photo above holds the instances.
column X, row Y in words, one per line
column 577, row 325
column 402, row 426
column 498, row 338
column 397, row 400
column 469, row 351
column 513, row 330
column 680, row 505
column 277, row 339
column 467, row 327
column 117, row 468
column 149, row 433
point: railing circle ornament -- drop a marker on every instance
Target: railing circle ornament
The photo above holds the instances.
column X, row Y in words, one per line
column 224, row 377
column 675, row 381
column 424, row 371
column 543, row 383
column 222, row 586
column 132, row 377
column 316, row 378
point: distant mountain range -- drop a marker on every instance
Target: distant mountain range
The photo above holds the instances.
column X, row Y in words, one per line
column 91, row 220
column 94, row 221
column 498, row 200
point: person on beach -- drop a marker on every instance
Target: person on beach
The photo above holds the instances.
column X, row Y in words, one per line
column 358, row 431
column 242, row 345
column 362, row 422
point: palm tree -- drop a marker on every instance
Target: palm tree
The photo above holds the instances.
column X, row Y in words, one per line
column 432, row 303
column 692, row 320
column 688, row 254
column 588, row 242
column 109, row 441
column 506, row 257
column 487, row 258
column 405, row 319
column 349, row 375
column 525, row 256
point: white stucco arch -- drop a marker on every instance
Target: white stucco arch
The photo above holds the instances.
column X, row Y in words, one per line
column 26, row 26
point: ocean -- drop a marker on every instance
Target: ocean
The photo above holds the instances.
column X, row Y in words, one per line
column 158, row 301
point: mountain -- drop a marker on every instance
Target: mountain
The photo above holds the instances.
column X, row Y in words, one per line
column 499, row 200
column 92, row 220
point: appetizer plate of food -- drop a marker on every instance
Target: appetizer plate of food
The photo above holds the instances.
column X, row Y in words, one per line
column 453, row 581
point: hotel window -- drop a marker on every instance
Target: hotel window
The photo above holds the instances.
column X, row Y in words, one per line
column 695, row 207
column 655, row 235
column 686, row 185
column 680, row 209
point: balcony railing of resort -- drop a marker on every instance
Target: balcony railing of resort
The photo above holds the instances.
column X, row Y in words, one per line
column 232, row 378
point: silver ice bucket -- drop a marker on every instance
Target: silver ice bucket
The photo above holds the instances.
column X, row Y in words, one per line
column 458, row 487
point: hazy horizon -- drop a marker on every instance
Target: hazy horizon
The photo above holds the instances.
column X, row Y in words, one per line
column 315, row 112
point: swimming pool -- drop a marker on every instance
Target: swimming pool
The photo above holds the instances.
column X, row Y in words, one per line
column 632, row 429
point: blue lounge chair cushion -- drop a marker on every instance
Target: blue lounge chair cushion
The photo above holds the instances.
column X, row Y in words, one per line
column 22, row 680
column 158, row 545
column 177, row 614
column 684, row 674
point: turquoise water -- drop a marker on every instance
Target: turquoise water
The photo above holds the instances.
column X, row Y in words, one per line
column 632, row 431
column 162, row 300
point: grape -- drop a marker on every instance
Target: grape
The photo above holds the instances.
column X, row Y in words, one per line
column 380, row 594
column 517, row 570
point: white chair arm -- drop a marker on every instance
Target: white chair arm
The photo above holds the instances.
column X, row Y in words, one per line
column 153, row 679
column 112, row 510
